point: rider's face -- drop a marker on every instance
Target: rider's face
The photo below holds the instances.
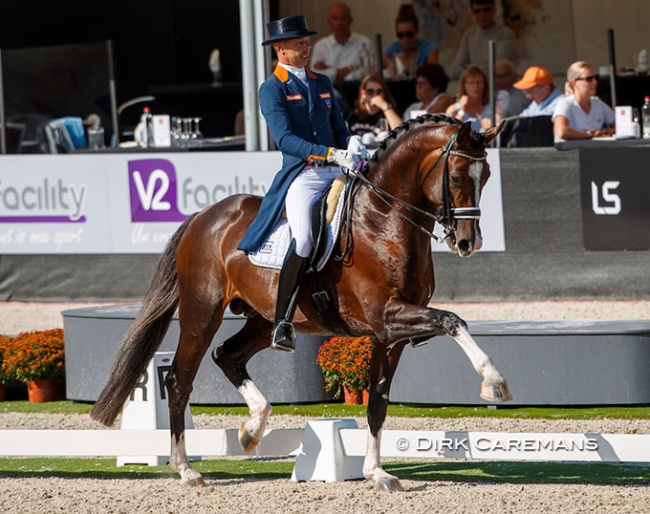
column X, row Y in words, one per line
column 294, row 52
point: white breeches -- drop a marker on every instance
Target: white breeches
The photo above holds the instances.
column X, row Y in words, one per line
column 303, row 192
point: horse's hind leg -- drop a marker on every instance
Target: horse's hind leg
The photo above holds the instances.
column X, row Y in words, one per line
column 232, row 357
column 198, row 326
column 382, row 369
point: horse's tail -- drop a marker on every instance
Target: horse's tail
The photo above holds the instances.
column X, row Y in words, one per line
column 144, row 335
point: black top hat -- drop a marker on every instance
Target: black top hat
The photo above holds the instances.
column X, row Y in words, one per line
column 287, row 28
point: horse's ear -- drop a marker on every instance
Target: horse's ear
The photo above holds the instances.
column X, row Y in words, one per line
column 493, row 132
column 464, row 134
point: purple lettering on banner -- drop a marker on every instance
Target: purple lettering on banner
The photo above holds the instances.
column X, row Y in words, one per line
column 152, row 188
column 41, row 219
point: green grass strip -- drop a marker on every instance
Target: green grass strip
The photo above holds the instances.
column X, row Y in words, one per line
column 337, row 410
column 255, row 468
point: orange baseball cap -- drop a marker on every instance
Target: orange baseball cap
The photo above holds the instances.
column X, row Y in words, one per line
column 534, row 76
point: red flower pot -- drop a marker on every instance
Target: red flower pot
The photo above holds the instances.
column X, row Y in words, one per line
column 353, row 397
column 45, row 390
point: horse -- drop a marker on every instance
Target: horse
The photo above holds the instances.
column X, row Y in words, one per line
column 431, row 169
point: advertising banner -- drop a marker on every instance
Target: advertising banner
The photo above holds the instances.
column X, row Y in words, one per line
column 614, row 194
column 133, row 202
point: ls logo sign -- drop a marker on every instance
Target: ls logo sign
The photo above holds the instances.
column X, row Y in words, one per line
column 605, row 193
column 153, row 191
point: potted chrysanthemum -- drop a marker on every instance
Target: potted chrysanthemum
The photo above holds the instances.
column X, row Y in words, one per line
column 345, row 362
column 37, row 359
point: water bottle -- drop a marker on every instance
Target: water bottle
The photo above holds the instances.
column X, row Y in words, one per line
column 147, row 119
column 645, row 117
column 364, row 57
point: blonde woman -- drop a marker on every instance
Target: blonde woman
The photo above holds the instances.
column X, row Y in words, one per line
column 581, row 114
column 473, row 102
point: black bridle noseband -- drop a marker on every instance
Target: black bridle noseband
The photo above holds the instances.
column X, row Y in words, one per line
column 448, row 214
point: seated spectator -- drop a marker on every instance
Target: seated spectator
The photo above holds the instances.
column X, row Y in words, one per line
column 537, row 84
column 374, row 109
column 512, row 99
column 473, row 103
column 338, row 55
column 581, row 114
column 403, row 56
column 431, row 82
column 474, row 45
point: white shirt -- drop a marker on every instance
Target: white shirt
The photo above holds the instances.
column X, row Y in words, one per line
column 474, row 47
column 600, row 114
column 335, row 55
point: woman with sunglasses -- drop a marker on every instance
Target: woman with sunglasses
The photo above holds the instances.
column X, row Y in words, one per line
column 581, row 114
column 409, row 49
column 374, row 109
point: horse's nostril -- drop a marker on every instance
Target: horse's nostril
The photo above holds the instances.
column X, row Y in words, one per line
column 464, row 246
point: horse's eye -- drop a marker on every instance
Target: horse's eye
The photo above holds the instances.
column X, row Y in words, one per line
column 457, row 180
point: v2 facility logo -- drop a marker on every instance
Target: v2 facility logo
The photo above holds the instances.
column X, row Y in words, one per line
column 153, row 191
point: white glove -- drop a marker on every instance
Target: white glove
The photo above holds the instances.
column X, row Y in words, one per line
column 356, row 147
column 344, row 158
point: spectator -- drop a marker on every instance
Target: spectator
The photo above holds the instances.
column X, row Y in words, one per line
column 338, row 55
column 537, row 84
column 431, row 82
column 474, row 43
column 581, row 114
column 473, row 103
column 403, row 56
column 374, row 109
column 512, row 99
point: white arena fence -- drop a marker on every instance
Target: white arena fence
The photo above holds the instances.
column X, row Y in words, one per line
column 332, row 450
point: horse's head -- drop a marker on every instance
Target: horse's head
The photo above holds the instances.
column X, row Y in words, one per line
column 454, row 177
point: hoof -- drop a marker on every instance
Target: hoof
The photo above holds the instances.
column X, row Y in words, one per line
column 193, row 482
column 246, row 440
column 495, row 392
column 389, row 485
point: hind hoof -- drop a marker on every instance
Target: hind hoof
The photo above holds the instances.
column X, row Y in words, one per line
column 193, row 482
column 497, row 393
column 246, row 440
column 389, row 485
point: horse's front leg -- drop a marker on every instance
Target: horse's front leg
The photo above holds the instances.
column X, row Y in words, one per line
column 382, row 368
column 411, row 321
column 232, row 357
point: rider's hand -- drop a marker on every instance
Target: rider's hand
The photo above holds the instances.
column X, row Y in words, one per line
column 344, row 158
column 356, row 147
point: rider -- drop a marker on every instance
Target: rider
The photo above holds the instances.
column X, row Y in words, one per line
column 303, row 116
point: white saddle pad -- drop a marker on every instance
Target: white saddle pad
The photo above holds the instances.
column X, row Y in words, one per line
column 271, row 253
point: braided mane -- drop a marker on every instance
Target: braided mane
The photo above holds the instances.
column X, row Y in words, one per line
column 438, row 120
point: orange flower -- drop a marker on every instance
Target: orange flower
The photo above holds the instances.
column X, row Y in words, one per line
column 32, row 356
column 345, row 361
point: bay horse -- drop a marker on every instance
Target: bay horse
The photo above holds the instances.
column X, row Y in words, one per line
column 429, row 170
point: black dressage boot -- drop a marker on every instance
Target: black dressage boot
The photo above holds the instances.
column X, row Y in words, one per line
column 291, row 274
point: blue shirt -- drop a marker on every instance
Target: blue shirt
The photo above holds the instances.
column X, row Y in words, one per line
column 546, row 108
column 424, row 49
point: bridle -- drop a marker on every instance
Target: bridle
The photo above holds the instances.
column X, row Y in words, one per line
column 448, row 213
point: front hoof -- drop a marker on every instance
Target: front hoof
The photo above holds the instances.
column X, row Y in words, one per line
column 246, row 440
column 389, row 485
column 193, row 482
column 496, row 392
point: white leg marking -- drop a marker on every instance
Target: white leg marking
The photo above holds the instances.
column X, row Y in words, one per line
column 258, row 407
column 479, row 359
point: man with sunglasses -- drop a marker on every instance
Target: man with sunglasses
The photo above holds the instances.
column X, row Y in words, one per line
column 474, row 45
column 411, row 50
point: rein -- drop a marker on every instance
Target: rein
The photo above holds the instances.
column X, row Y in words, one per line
column 448, row 213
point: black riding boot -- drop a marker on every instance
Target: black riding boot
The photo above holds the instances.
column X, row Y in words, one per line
column 291, row 274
